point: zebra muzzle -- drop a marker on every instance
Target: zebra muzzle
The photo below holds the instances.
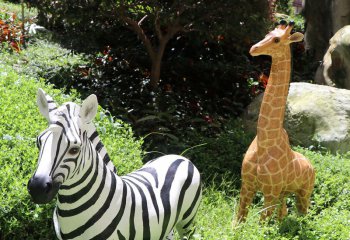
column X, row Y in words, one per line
column 42, row 189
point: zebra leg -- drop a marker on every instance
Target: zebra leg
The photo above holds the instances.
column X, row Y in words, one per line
column 185, row 227
column 170, row 235
column 185, row 230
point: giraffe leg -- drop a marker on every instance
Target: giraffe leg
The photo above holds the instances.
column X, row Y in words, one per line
column 303, row 195
column 271, row 201
column 303, row 201
column 270, row 204
column 246, row 197
column 282, row 211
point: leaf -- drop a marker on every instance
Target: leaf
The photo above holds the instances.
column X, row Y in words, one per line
column 171, row 136
column 147, row 118
column 15, row 46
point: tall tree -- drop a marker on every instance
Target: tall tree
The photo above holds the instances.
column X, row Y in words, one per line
column 165, row 19
column 164, row 29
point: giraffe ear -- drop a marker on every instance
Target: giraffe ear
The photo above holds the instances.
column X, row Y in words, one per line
column 296, row 37
column 88, row 109
column 45, row 103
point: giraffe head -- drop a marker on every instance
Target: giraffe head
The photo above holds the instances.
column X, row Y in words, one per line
column 276, row 41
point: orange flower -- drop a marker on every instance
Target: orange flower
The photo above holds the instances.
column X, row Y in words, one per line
column 220, row 37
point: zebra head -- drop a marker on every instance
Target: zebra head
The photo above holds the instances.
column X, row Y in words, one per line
column 61, row 145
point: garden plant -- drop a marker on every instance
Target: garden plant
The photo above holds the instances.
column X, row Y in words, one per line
column 207, row 79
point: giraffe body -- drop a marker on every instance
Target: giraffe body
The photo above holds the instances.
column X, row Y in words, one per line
column 270, row 165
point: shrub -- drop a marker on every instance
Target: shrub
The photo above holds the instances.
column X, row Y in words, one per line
column 204, row 72
column 47, row 60
column 20, row 123
column 221, row 155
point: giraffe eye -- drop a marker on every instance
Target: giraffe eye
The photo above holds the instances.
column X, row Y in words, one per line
column 276, row 40
column 74, row 150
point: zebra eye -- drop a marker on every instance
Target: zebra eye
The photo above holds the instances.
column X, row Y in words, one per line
column 74, row 150
column 276, row 40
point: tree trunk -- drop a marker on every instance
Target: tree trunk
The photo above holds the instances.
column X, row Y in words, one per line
column 156, row 64
column 155, row 73
column 317, row 32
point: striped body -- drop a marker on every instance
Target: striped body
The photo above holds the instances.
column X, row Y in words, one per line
column 94, row 202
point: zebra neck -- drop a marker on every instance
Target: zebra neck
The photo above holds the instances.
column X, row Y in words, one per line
column 89, row 197
column 100, row 148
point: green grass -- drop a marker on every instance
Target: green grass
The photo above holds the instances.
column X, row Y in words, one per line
column 20, row 123
column 17, row 8
column 328, row 218
column 44, row 59
column 20, row 76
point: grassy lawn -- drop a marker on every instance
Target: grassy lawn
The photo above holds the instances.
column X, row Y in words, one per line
column 20, row 76
column 328, row 218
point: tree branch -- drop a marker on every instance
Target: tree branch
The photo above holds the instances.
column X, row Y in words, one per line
column 135, row 26
column 158, row 27
column 142, row 19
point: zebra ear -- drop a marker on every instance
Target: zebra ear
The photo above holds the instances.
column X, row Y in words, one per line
column 88, row 109
column 45, row 103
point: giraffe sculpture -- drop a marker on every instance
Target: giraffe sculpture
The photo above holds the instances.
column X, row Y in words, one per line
column 270, row 165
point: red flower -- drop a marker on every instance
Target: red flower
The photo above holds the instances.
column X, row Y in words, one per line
column 220, row 37
column 208, row 119
column 263, row 79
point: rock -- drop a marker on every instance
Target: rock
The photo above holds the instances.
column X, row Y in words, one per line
column 335, row 68
column 316, row 115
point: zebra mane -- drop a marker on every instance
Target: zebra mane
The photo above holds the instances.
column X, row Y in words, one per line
column 68, row 115
column 73, row 110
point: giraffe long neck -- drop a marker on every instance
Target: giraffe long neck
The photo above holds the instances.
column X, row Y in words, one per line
column 272, row 111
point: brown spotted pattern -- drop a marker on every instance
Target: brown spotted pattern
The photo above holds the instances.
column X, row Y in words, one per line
column 270, row 165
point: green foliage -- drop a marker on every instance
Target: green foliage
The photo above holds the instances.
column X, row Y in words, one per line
column 328, row 217
column 222, row 154
column 204, row 72
column 204, row 84
column 13, row 6
column 47, row 60
column 120, row 142
column 20, row 123
column 13, row 22
column 20, row 218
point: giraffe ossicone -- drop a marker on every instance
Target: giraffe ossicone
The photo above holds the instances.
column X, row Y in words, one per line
column 270, row 165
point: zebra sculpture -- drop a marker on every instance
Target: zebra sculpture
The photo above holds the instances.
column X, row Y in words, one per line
column 93, row 201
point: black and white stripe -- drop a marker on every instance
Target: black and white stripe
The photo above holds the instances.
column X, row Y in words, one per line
column 93, row 201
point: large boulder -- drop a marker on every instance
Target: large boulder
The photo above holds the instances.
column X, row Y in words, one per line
column 335, row 68
column 316, row 115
